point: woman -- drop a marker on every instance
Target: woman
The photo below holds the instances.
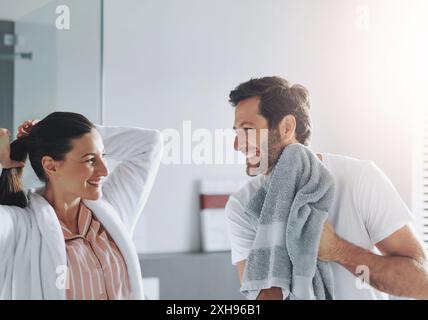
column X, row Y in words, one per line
column 71, row 239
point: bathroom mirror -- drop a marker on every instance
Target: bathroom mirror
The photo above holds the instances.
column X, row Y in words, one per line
column 51, row 60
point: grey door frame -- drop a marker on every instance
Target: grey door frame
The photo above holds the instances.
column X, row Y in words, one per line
column 6, row 76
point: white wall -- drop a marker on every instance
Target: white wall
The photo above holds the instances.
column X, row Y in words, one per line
column 168, row 61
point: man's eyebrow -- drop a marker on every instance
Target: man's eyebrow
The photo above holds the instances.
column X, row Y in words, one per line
column 244, row 123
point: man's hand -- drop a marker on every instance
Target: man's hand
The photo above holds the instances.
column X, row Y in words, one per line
column 401, row 271
column 330, row 243
column 265, row 294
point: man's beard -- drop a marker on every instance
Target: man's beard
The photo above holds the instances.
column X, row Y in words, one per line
column 273, row 148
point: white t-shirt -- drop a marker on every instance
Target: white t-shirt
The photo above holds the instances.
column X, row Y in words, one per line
column 366, row 209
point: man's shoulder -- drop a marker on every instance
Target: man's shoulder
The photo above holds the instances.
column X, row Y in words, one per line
column 352, row 175
column 340, row 159
column 346, row 167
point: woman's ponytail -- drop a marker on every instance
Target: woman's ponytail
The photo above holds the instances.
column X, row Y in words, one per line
column 11, row 188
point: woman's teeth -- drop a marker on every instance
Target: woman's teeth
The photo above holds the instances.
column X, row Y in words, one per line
column 95, row 183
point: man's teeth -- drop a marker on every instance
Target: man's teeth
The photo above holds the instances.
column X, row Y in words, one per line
column 253, row 158
column 94, row 183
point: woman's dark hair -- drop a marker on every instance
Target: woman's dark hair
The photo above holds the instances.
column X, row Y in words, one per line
column 277, row 100
column 51, row 137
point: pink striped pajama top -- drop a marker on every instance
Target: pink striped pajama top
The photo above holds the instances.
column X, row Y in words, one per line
column 96, row 268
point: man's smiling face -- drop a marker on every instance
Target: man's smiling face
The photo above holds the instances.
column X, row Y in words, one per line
column 260, row 145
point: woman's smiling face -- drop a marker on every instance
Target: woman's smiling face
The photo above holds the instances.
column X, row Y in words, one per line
column 81, row 173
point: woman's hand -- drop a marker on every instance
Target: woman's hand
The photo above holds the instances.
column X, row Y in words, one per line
column 25, row 128
column 5, row 160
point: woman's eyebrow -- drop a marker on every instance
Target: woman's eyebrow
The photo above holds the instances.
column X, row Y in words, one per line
column 91, row 154
column 88, row 154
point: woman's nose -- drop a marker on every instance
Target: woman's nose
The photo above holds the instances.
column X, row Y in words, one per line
column 103, row 170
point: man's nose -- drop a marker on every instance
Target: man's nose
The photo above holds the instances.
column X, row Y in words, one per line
column 240, row 143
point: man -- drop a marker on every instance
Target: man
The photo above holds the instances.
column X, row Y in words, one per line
column 369, row 232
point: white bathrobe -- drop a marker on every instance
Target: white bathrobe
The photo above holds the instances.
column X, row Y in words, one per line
column 32, row 245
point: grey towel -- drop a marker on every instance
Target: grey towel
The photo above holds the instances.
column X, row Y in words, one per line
column 291, row 208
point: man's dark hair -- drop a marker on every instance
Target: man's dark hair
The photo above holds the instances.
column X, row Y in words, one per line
column 277, row 100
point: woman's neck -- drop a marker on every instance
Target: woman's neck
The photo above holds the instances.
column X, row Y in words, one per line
column 66, row 207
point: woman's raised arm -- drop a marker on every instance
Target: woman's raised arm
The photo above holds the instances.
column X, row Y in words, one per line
column 128, row 186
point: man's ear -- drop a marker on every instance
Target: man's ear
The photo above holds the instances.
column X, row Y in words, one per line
column 287, row 128
column 49, row 166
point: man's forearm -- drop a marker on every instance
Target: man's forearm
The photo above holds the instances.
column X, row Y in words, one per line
column 396, row 275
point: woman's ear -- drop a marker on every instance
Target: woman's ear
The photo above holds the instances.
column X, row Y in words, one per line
column 287, row 129
column 49, row 166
